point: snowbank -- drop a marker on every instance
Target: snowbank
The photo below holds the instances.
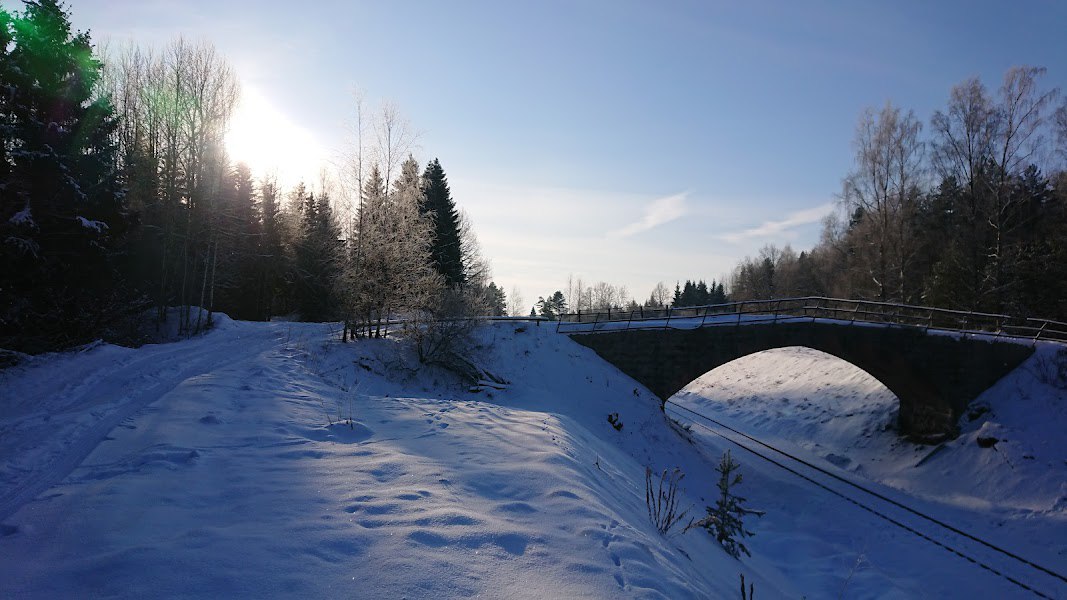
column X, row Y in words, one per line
column 269, row 459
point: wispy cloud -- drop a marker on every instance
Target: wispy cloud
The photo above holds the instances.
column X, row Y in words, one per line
column 773, row 228
column 659, row 212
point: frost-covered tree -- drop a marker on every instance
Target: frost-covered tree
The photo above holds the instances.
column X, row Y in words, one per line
column 62, row 210
column 389, row 272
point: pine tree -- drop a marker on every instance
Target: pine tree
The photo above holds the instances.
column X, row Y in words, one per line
column 62, row 215
column 445, row 248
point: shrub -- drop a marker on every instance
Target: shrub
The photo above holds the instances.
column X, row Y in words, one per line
column 662, row 499
column 1052, row 370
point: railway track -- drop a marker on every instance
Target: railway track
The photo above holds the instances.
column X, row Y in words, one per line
column 1023, row 573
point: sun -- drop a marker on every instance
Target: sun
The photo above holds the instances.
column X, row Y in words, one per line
column 268, row 141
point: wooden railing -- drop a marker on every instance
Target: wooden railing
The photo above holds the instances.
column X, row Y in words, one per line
column 812, row 308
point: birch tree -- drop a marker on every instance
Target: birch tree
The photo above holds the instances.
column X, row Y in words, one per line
column 883, row 191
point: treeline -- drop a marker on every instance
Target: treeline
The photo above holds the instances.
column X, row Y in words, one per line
column 969, row 213
column 603, row 296
column 117, row 195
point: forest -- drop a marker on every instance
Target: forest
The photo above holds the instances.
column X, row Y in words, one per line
column 968, row 213
column 117, row 198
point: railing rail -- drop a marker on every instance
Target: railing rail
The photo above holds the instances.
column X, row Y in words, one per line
column 815, row 307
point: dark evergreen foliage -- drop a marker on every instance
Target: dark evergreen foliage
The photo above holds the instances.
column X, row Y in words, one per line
column 725, row 520
column 272, row 259
column 62, row 211
column 496, row 300
column 551, row 308
column 699, row 293
column 317, row 258
column 446, row 248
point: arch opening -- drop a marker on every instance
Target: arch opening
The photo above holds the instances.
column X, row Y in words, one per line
column 807, row 397
column 934, row 376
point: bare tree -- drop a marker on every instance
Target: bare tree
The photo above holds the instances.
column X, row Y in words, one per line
column 516, row 303
column 176, row 106
column 394, row 138
column 1060, row 126
column 1019, row 139
column 605, row 296
column 660, row 296
column 882, row 194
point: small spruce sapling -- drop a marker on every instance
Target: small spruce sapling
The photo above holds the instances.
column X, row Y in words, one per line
column 725, row 520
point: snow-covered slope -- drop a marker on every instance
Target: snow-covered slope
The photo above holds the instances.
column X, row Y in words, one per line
column 227, row 466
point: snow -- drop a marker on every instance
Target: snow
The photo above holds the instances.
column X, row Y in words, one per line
column 269, row 459
column 825, row 410
column 23, row 217
column 97, row 226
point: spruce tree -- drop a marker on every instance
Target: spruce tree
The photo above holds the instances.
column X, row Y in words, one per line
column 240, row 239
column 725, row 520
column 317, row 258
column 496, row 300
column 272, row 263
column 445, row 248
column 62, row 215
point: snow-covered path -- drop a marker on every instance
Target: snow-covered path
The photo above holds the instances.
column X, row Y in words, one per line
column 49, row 424
column 225, row 477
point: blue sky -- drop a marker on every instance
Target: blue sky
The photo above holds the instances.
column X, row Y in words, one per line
column 630, row 142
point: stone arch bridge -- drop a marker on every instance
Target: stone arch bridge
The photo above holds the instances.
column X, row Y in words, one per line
column 934, row 374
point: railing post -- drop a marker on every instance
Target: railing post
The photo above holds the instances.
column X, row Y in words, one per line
column 777, row 307
column 705, row 317
column 1040, row 330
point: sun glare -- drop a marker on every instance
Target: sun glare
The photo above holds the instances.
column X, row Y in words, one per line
column 267, row 141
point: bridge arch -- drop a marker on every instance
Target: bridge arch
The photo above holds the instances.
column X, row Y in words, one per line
column 934, row 376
